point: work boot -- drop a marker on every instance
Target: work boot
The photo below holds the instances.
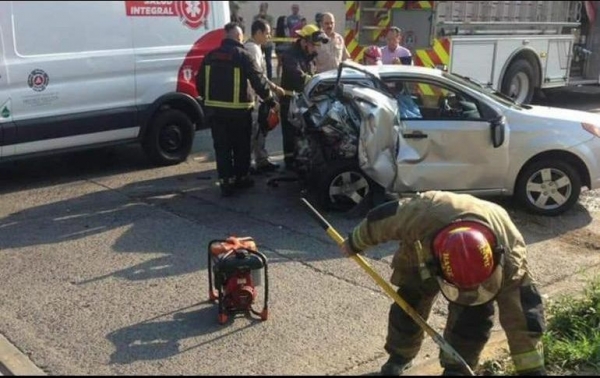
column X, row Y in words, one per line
column 267, row 167
column 226, row 188
column 244, row 182
column 395, row 366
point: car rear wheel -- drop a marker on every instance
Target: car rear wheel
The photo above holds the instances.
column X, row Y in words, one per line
column 342, row 186
column 548, row 187
column 169, row 138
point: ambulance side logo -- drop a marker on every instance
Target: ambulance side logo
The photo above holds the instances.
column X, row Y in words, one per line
column 38, row 80
column 192, row 14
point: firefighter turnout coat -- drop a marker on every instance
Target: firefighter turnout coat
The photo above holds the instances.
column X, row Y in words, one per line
column 415, row 223
column 224, row 77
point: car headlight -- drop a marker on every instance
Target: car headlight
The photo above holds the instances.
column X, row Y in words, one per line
column 593, row 129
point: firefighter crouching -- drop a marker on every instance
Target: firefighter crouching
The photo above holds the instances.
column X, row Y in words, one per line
column 471, row 251
column 297, row 69
column 222, row 81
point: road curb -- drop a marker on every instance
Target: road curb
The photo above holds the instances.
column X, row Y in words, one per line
column 13, row 362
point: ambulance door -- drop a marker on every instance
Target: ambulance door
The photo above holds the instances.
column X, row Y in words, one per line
column 7, row 127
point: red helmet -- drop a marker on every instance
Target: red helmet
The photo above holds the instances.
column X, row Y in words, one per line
column 470, row 262
column 373, row 52
column 273, row 119
column 268, row 118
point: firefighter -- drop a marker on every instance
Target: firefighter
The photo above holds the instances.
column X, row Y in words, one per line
column 372, row 56
column 297, row 69
column 223, row 82
column 471, row 251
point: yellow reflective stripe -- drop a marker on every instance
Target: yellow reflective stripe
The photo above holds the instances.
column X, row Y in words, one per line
column 283, row 39
column 529, row 360
column 229, row 105
column 307, row 78
column 236, row 85
column 358, row 242
column 425, row 58
column 426, row 89
column 206, row 82
column 235, row 104
column 441, row 52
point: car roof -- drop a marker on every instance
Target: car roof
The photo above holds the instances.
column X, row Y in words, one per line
column 384, row 70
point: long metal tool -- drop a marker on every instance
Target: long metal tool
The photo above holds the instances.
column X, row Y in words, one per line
column 439, row 340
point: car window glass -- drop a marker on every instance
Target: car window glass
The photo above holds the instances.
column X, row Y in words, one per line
column 325, row 87
column 428, row 101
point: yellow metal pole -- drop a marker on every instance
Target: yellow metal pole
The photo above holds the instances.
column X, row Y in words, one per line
column 437, row 338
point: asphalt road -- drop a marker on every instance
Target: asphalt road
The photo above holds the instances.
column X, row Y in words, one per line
column 104, row 269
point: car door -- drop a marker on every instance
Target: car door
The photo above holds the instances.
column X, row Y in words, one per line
column 446, row 140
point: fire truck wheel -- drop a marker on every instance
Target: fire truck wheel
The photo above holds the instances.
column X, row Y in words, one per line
column 169, row 137
column 519, row 82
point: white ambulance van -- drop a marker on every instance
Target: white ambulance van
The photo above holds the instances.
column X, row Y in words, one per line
column 82, row 74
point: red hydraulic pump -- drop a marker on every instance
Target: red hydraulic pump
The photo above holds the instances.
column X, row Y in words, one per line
column 234, row 266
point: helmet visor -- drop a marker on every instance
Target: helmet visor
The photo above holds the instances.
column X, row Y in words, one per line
column 481, row 294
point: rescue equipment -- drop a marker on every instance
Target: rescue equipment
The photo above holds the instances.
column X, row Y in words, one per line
column 234, row 267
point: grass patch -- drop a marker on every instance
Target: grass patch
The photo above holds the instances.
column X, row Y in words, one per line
column 572, row 338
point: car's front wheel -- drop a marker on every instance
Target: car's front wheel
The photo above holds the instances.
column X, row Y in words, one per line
column 342, row 185
column 548, row 187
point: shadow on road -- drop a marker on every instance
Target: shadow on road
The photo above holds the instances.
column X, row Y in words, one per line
column 262, row 211
column 65, row 168
column 159, row 339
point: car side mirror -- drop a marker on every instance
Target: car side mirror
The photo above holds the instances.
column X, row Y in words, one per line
column 498, row 125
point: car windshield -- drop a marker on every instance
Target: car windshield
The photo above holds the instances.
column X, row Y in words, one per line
column 481, row 88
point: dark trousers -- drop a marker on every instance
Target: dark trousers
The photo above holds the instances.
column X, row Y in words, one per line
column 231, row 139
column 289, row 133
column 469, row 328
column 268, row 50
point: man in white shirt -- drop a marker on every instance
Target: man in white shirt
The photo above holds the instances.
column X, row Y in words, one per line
column 261, row 34
column 329, row 55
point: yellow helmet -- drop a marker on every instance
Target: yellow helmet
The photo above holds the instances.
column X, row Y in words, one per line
column 313, row 34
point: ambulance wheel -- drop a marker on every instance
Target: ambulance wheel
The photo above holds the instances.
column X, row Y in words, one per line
column 169, row 138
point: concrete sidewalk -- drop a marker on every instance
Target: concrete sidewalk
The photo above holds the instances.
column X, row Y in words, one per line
column 14, row 362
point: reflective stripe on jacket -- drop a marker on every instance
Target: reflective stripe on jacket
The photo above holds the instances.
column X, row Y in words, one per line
column 225, row 75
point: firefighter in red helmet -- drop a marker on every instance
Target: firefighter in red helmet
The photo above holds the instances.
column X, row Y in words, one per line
column 469, row 250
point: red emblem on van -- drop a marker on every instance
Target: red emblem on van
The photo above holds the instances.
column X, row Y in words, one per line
column 192, row 14
column 38, row 80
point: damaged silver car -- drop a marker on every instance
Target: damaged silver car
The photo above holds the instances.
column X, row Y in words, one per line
column 405, row 129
